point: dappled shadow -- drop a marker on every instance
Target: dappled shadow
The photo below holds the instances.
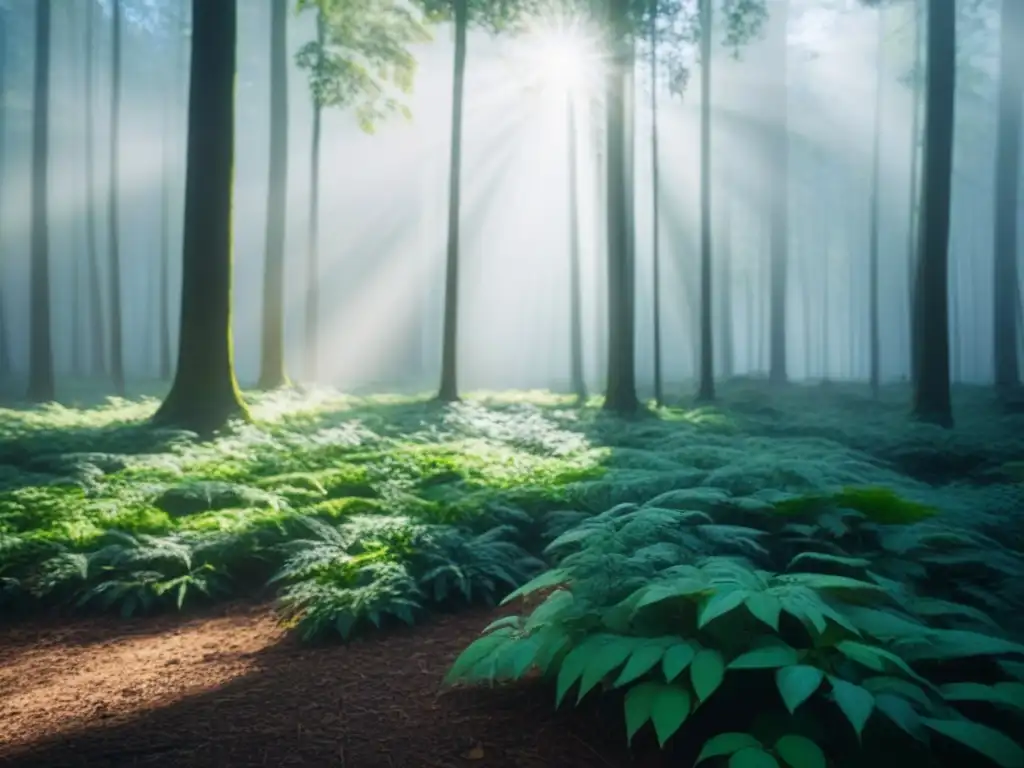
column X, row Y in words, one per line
column 374, row 702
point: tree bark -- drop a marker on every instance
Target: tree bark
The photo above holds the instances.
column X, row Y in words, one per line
column 272, row 371
column 577, row 379
column 932, row 390
column 204, row 395
column 706, row 391
column 448, row 391
column 779, row 180
column 41, row 383
column 98, row 347
column 659, row 394
column 875, row 340
column 313, row 254
column 113, row 211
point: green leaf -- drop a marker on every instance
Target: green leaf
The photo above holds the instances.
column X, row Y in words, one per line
column 545, row 613
column 606, row 657
column 797, row 683
column 752, row 757
column 677, row 658
column 800, row 752
column 1010, row 694
column 573, row 665
column 515, row 622
column 552, row 578
column 765, row 607
column 638, row 703
column 855, row 702
column 641, row 661
column 706, row 673
column 768, row 657
column 669, row 710
column 960, row 644
column 898, row 709
column 726, row 744
column 898, row 686
column 477, row 651
column 719, row 604
column 681, row 587
column 996, row 746
column 877, row 659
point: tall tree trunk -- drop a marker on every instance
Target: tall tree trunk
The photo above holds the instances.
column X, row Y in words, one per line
column 931, row 390
column 5, row 341
column 204, row 394
column 448, row 391
column 272, row 373
column 1011, row 78
column 876, row 150
column 706, row 392
column 113, row 212
column 620, row 389
column 313, row 254
column 578, row 381
column 41, row 384
column 914, row 204
column 779, row 181
column 725, row 286
column 163, row 275
column 98, row 346
column 659, row 395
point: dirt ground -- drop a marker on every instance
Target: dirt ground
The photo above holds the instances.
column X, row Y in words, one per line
column 229, row 689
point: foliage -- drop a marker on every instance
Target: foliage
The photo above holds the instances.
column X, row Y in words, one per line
column 360, row 57
column 672, row 606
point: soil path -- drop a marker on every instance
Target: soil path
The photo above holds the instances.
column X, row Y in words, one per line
column 228, row 689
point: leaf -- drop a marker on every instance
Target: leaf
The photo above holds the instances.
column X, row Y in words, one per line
column 546, row 612
column 572, row 667
column 855, row 702
column 681, row 587
column 707, row 672
column 878, row 659
column 641, row 661
column 768, row 657
column 812, row 559
column 765, row 607
column 797, row 683
column 752, row 757
column 1010, row 694
column 677, row 658
column 898, row 709
column 800, row 752
column 719, row 604
column 726, row 744
column 961, row 644
column 603, row 659
column 669, row 710
column 638, row 703
column 552, row 578
column 515, row 622
column 898, row 686
column 993, row 744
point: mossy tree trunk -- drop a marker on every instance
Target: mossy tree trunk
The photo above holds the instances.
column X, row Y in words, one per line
column 204, row 394
column 931, row 389
column 272, row 369
column 41, row 383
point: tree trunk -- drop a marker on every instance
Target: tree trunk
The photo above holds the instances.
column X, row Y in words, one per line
column 913, row 209
column 725, row 286
column 1011, row 103
column 876, row 150
column 98, row 347
column 113, row 212
column 41, row 384
column 620, row 392
column 272, row 373
column 163, row 276
column 313, row 255
column 659, row 394
column 706, row 391
column 577, row 379
column 779, row 148
column 5, row 341
column 204, row 395
column 448, row 391
column 931, row 390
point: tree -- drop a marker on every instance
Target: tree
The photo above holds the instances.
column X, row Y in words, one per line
column 99, row 343
column 874, row 332
column 659, row 395
column 204, row 395
column 41, row 384
column 5, row 342
column 706, row 392
column 777, row 145
column 931, row 312
column 1007, row 205
column 579, row 386
column 113, row 209
column 272, row 369
column 359, row 59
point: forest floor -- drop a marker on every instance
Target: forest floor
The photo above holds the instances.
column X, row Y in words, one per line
column 100, row 517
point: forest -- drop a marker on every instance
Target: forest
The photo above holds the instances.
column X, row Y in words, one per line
column 512, row 383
